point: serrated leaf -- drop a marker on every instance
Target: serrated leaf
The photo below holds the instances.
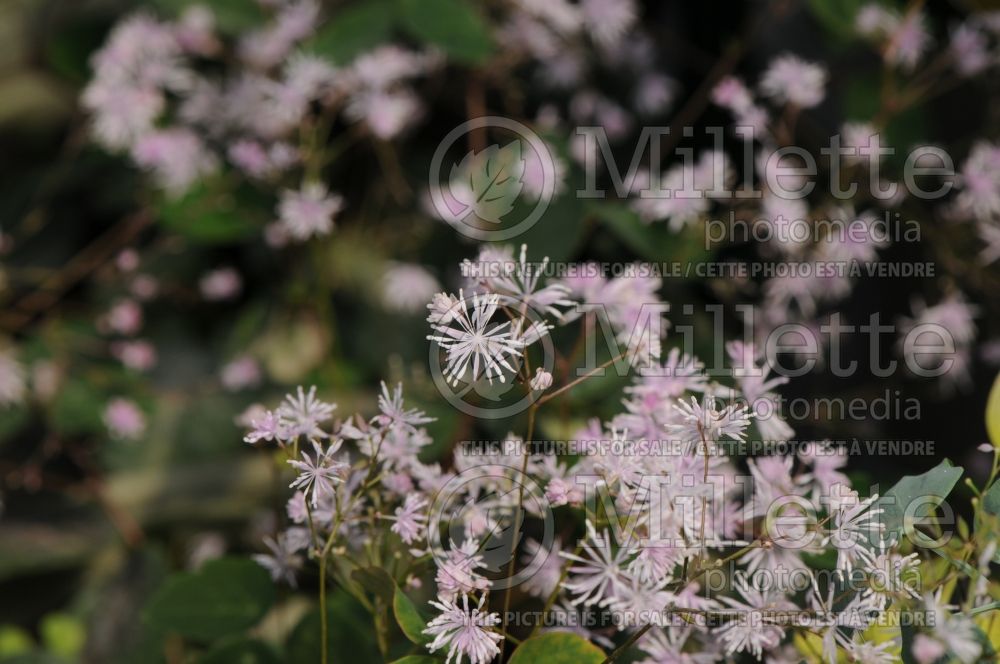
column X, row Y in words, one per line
column 409, row 619
column 930, row 489
column 557, row 648
column 490, row 181
column 454, row 26
column 353, row 31
column 225, row 597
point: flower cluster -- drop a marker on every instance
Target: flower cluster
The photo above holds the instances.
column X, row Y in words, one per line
column 667, row 508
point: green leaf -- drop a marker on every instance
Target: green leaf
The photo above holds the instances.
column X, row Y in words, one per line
column 451, row 25
column 837, row 16
column 930, row 488
column 991, row 499
column 409, row 619
column 77, row 409
column 625, row 224
column 557, row 648
column 993, row 413
column 63, row 634
column 350, row 631
column 14, row 641
column 417, row 659
column 12, row 420
column 231, row 16
column 376, row 581
column 227, row 596
column 211, row 214
column 240, row 651
column 353, row 31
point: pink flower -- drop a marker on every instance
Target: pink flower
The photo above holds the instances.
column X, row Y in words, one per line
column 970, row 49
column 791, row 80
column 411, row 521
column 465, row 632
column 139, row 355
column 221, row 284
column 124, row 419
column 176, row 157
column 240, row 374
column 732, row 93
column 124, row 317
column 308, row 212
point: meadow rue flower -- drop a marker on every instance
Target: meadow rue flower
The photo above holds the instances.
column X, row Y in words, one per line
column 475, row 345
column 748, row 629
column 927, row 649
column 407, row 287
column 548, row 575
column 240, row 373
column 702, row 421
column 140, row 61
column 908, row 41
column 654, row 93
column 318, row 473
column 608, row 20
column 969, row 48
column 282, row 561
column 266, row 426
column 595, row 577
column 791, row 80
column 124, row 419
column 466, row 632
column 308, row 212
column 394, row 414
column 542, row 380
column 875, row 19
column 224, row 283
column 890, row 575
column 732, row 93
column 497, row 271
column 855, row 525
column 12, row 379
column 135, row 354
column 979, row 181
column 302, row 413
column 411, row 521
column 457, row 572
column 958, row 633
column 687, row 191
column 176, row 157
column 124, row 317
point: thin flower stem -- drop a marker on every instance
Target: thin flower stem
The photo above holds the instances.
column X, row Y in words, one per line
column 589, row 374
column 517, row 519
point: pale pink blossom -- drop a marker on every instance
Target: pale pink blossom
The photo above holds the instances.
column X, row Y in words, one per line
column 124, row 419
column 221, row 284
column 308, row 212
column 791, row 80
